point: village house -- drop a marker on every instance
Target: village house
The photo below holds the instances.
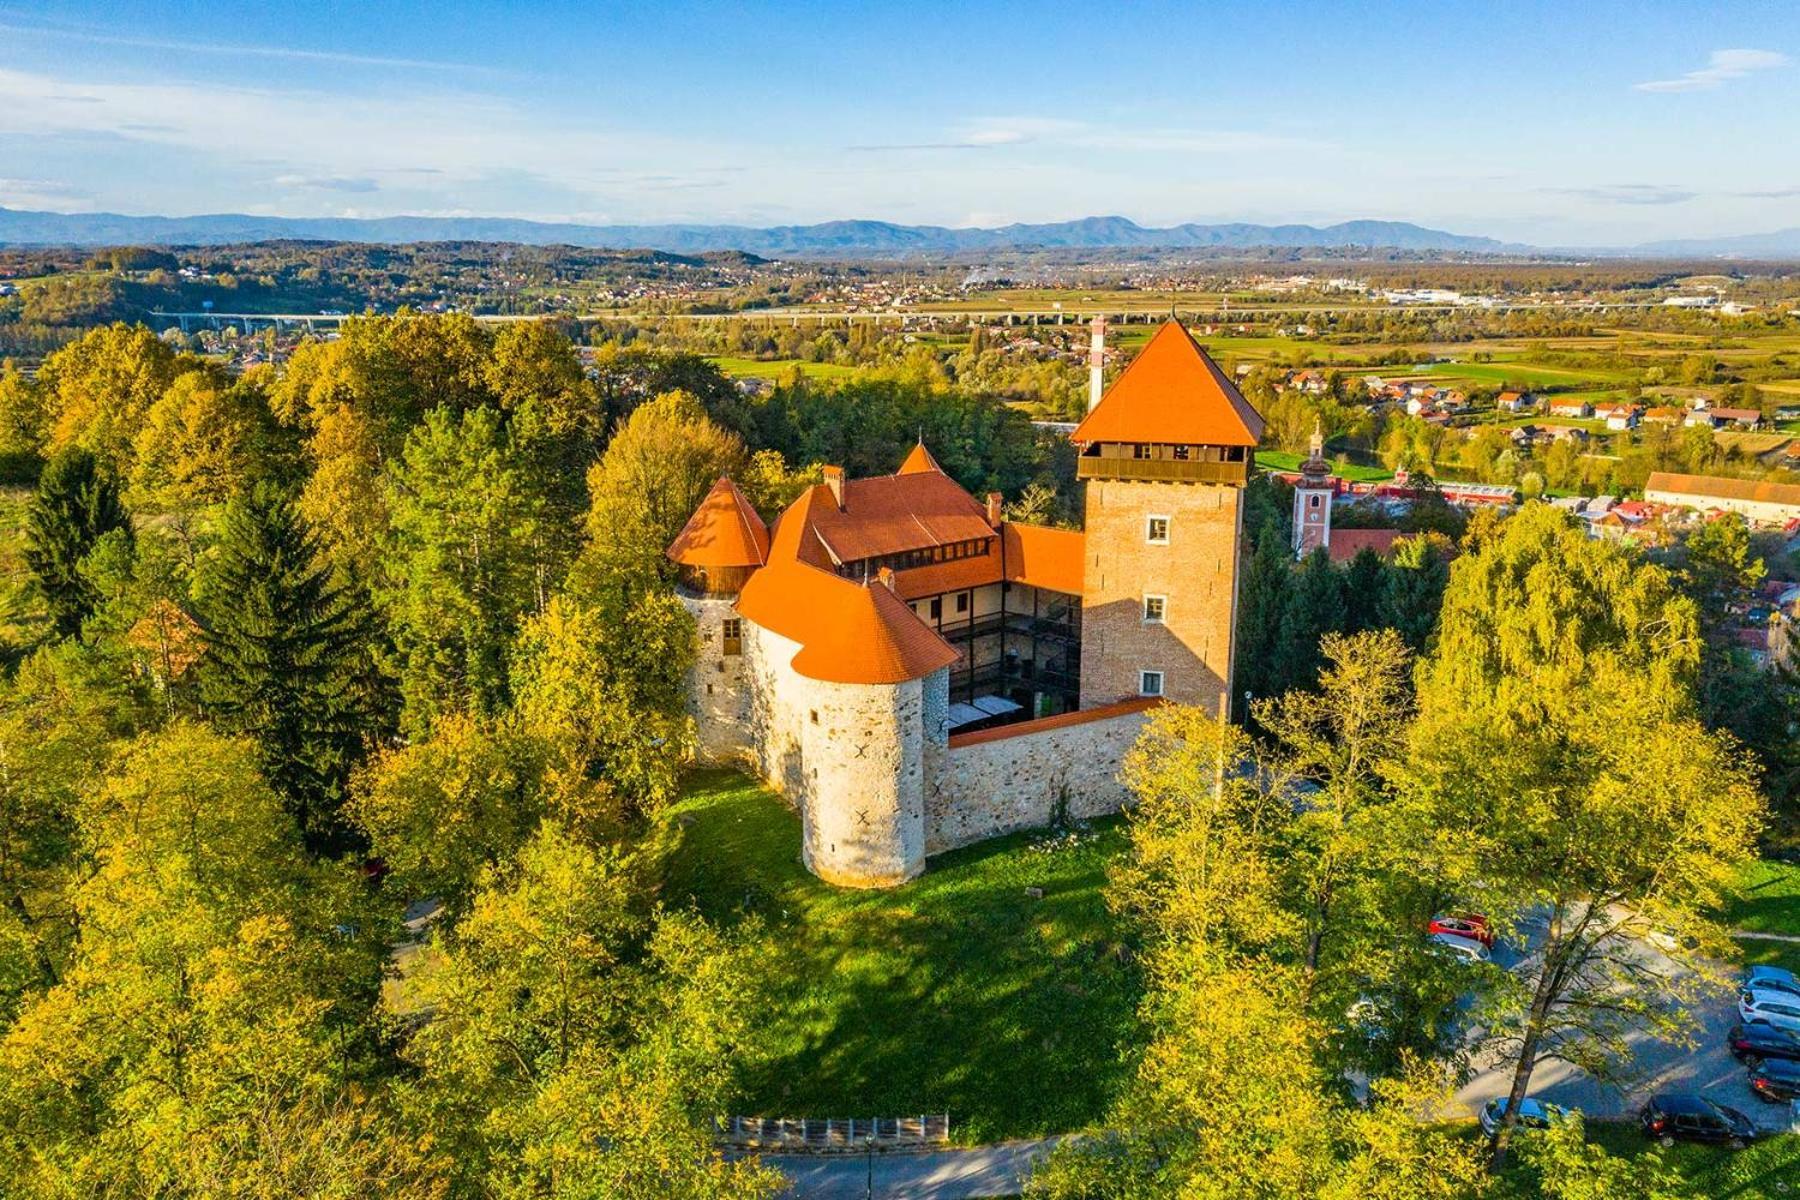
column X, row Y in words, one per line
column 1515, row 402
column 914, row 672
column 1760, row 503
column 1619, row 417
column 1571, row 408
column 1722, row 418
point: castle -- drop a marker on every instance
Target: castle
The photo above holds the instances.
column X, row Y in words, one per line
column 914, row 672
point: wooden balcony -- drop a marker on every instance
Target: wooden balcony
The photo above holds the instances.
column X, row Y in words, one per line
column 1162, row 469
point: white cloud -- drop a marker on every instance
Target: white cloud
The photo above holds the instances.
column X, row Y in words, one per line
column 1721, row 66
column 327, row 183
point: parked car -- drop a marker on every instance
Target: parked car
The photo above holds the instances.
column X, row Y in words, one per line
column 1683, row 1116
column 1473, row 926
column 1775, row 1079
column 1755, row 1040
column 1774, row 1007
column 1772, row 979
column 1533, row 1114
column 1467, row 949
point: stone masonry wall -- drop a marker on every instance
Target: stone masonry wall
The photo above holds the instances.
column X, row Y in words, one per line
column 1021, row 780
column 718, row 691
column 849, row 757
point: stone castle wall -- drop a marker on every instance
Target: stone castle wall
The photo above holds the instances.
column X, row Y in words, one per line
column 1026, row 776
column 718, row 698
column 852, row 758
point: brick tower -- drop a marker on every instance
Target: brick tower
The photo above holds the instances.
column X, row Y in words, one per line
column 1165, row 455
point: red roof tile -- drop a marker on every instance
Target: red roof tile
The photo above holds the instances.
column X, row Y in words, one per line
column 723, row 532
column 1172, row 392
column 1045, row 558
column 1346, row 544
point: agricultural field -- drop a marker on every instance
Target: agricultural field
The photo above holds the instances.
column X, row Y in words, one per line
column 957, row 993
column 779, row 368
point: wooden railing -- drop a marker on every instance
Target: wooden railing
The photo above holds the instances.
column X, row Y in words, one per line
column 1174, row 470
column 826, row 1134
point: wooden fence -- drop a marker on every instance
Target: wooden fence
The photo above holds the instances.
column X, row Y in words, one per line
column 826, row 1134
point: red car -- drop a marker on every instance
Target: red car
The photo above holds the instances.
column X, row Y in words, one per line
column 1473, row 926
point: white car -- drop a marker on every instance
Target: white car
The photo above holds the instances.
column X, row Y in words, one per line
column 1772, row 979
column 1777, row 1008
column 1467, row 949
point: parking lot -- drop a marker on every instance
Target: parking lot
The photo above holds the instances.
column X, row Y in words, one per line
column 1707, row 1067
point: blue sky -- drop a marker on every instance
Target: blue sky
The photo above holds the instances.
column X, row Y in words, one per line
column 1561, row 123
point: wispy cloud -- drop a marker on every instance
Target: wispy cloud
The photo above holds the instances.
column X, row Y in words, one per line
column 1721, row 66
column 1786, row 193
column 1628, row 193
column 290, row 53
column 328, row 183
column 994, row 133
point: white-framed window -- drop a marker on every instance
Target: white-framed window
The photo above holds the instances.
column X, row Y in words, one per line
column 1312, row 502
column 1155, row 607
column 1156, row 530
column 1150, row 683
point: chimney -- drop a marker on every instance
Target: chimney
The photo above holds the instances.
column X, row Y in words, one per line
column 834, row 479
column 993, row 509
column 885, row 577
column 1097, row 363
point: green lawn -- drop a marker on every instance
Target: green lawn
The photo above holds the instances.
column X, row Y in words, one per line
column 779, row 368
column 1281, row 460
column 956, row 992
column 1765, row 1171
column 1768, row 900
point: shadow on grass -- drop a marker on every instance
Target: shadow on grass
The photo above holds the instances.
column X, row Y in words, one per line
column 957, row 992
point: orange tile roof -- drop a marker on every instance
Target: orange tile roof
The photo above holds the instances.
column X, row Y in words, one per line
column 1713, row 487
column 848, row 632
column 1172, row 392
column 919, row 460
column 1045, row 558
column 954, row 576
column 723, row 532
column 890, row 514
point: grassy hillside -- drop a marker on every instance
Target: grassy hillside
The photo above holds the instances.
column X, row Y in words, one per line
column 956, row 992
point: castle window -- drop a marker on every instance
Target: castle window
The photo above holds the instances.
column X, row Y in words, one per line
column 732, row 631
column 1156, row 531
column 1181, row 453
column 1140, row 450
column 937, row 609
column 1154, row 608
column 1150, row 683
column 1312, row 502
column 815, row 716
column 962, row 602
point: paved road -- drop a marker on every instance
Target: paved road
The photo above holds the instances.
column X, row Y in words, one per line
column 1707, row 1067
column 980, row 1171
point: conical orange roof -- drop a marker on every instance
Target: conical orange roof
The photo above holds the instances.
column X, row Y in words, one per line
column 1172, row 392
column 848, row 632
column 919, row 461
column 723, row 532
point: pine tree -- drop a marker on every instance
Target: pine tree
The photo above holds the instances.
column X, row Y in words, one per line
column 1314, row 608
column 76, row 504
column 284, row 642
column 1266, row 584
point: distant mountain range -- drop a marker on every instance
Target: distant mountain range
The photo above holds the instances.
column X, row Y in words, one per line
column 830, row 239
column 841, row 239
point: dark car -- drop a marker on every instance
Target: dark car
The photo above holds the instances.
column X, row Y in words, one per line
column 1759, row 1039
column 1775, row 1079
column 1676, row 1116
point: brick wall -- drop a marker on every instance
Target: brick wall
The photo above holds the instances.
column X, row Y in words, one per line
column 1197, row 571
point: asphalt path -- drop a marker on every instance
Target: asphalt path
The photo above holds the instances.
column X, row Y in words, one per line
column 952, row 1174
column 1707, row 1067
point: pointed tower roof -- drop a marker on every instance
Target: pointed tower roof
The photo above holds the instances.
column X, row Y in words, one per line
column 1173, row 392
column 919, row 461
column 723, row 532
